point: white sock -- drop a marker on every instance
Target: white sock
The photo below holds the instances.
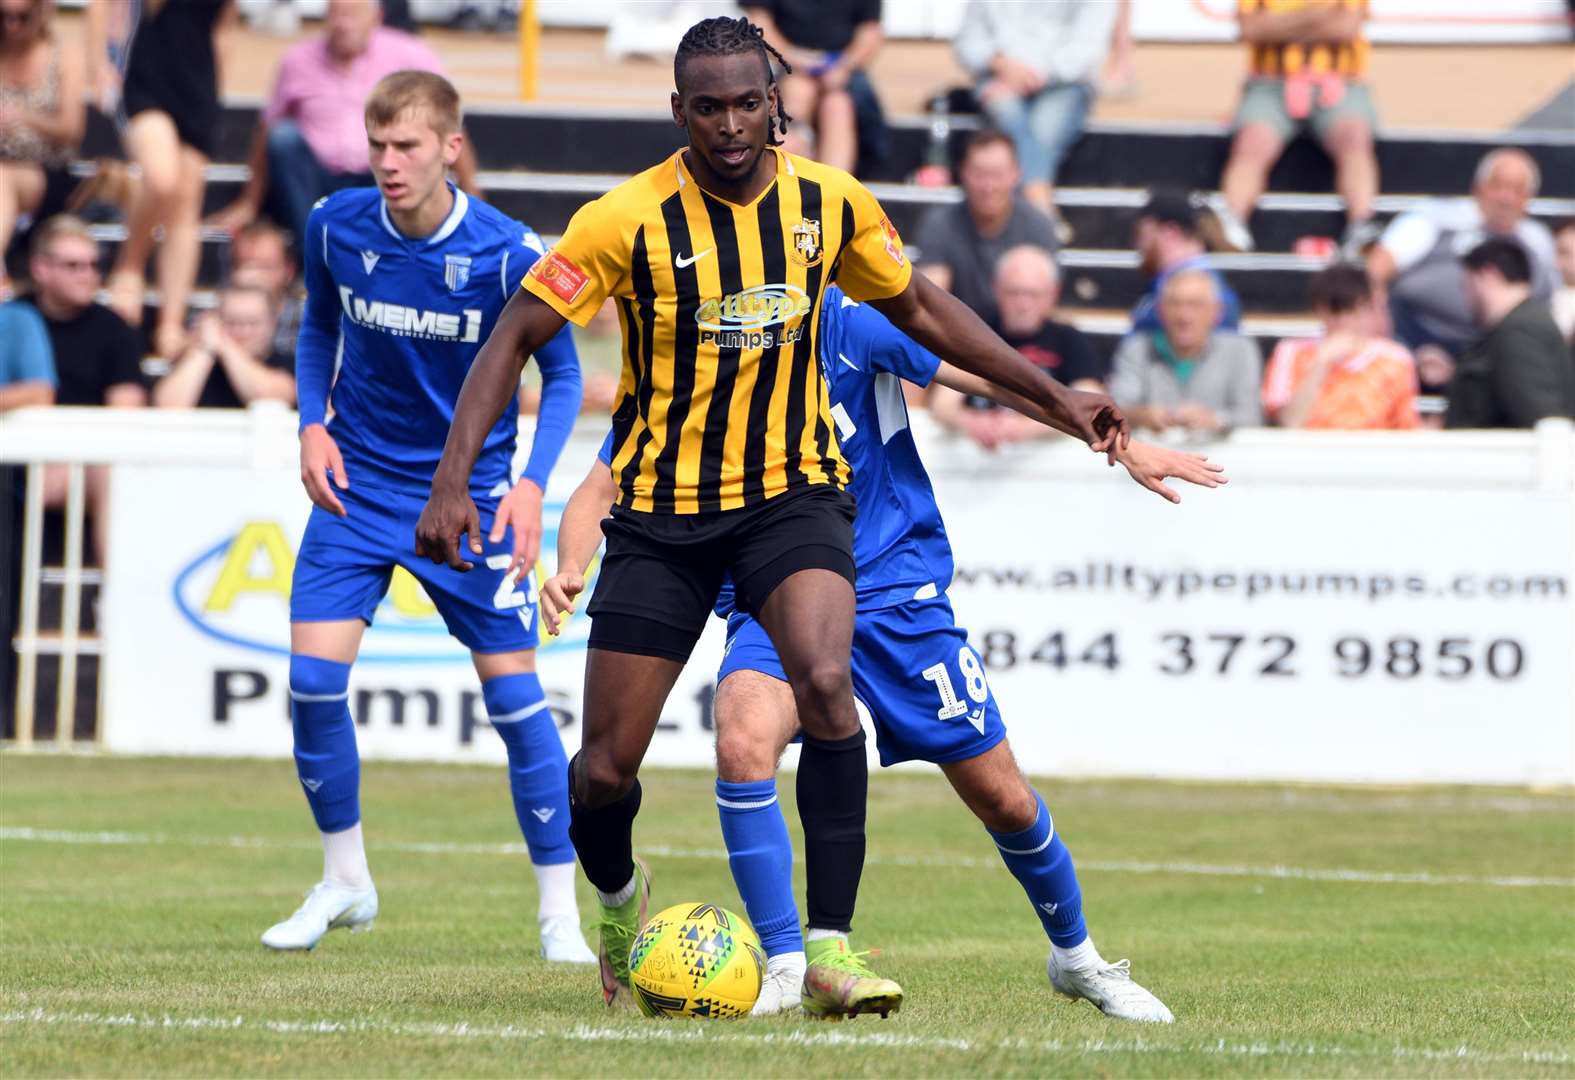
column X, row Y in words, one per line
column 1080, row 957
column 793, row 963
column 820, row 935
column 621, row 897
column 555, row 883
column 344, row 858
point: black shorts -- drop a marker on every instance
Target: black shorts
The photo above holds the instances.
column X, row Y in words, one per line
column 661, row 574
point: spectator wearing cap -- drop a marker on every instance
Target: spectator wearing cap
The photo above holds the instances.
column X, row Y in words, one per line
column 1187, row 373
column 1027, row 288
column 311, row 139
column 1036, row 69
column 1308, row 74
column 1168, row 241
column 231, row 361
column 829, row 43
column 1351, row 377
column 1519, row 370
column 961, row 243
column 1416, row 265
column 1564, row 292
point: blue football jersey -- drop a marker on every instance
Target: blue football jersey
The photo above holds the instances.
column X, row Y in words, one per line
column 407, row 317
column 899, row 541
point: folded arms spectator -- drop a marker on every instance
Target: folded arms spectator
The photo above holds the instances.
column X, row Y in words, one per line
column 1308, row 68
column 829, row 43
column 41, row 114
column 960, row 244
column 1351, row 377
column 1186, row 373
column 1035, row 69
column 311, row 140
column 1520, row 370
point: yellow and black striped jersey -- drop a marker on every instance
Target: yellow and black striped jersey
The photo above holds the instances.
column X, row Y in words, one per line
column 1291, row 59
column 722, row 403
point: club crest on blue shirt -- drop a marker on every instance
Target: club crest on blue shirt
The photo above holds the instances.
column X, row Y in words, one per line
column 456, row 271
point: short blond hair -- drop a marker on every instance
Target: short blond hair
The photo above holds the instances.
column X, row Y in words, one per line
column 403, row 90
column 57, row 228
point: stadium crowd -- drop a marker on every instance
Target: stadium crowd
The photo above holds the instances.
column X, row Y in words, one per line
column 1469, row 299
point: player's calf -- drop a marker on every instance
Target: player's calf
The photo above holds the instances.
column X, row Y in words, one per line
column 538, row 782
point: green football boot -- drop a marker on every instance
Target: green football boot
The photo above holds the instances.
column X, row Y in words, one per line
column 839, row 983
column 618, row 927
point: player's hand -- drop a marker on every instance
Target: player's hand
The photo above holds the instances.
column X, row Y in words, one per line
column 521, row 510
column 1151, row 466
column 557, row 599
column 447, row 516
column 319, row 457
column 1100, row 422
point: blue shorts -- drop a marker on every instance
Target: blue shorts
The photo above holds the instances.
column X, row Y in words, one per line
column 913, row 668
column 345, row 563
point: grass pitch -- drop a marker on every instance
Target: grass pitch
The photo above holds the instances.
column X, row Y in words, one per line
column 1300, row 931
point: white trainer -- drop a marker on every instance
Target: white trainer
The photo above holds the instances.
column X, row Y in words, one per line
column 1111, row 990
column 781, row 989
column 328, row 906
column 563, row 943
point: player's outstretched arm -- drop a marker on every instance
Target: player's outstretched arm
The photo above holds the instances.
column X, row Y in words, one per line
column 1148, row 465
column 524, row 325
column 579, row 536
column 941, row 323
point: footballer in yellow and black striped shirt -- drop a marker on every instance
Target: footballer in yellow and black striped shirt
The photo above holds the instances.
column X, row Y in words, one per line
column 725, row 452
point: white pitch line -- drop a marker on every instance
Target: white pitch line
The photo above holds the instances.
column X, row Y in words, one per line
column 959, row 862
column 712, row 1034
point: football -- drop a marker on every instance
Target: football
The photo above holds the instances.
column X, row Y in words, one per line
column 697, row 960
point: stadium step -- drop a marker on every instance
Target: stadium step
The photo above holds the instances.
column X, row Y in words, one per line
column 1110, row 154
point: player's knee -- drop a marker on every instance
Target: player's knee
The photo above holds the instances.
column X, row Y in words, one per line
column 744, row 755
column 600, row 778
column 1009, row 808
column 313, row 678
column 822, row 692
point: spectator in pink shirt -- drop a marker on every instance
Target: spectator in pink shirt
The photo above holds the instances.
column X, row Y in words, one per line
column 311, row 139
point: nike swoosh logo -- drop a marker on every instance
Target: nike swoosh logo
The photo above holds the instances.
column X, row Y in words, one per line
column 684, row 264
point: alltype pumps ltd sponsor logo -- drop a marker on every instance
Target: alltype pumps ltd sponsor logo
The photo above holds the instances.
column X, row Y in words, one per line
column 741, row 320
column 237, row 590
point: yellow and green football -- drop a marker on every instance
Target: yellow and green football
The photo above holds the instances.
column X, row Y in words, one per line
column 696, row 960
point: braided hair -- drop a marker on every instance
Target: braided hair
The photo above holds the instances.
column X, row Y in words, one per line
column 723, row 36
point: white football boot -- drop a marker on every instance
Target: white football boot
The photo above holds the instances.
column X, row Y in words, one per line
column 781, row 987
column 563, row 943
column 328, row 906
column 1109, row 987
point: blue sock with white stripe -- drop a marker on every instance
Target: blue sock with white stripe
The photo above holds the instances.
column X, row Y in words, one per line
column 326, row 759
column 761, row 855
column 538, row 767
column 1043, row 866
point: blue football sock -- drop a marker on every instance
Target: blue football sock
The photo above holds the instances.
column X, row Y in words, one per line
column 325, row 752
column 1043, row 866
column 538, row 767
column 761, row 855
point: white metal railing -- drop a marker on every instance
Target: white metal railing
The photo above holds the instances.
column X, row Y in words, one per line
column 264, row 438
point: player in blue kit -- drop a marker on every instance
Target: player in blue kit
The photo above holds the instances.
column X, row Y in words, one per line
column 404, row 282
column 924, row 686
